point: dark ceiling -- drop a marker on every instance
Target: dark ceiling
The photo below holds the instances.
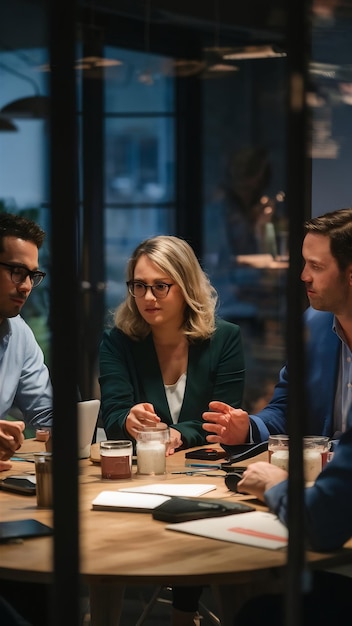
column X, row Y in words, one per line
column 184, row 26
column 250, row 15
column 230, row 21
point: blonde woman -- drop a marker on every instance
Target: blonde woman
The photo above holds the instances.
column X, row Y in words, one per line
column 167, row 357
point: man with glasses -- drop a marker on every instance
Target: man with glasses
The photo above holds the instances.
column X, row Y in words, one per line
column 24, row 378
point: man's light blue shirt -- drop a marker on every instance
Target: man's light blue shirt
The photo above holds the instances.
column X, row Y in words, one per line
column 24, row 378
column 343, row 399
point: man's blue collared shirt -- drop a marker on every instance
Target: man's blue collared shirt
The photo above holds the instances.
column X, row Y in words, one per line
column 24, row 378
column 343, row 398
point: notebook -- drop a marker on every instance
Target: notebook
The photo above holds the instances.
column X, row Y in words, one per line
column 119, row 501
column 87, row 415
column 167, row 489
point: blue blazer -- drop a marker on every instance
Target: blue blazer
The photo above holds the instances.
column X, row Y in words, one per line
column 322, row 356
column 130, row 374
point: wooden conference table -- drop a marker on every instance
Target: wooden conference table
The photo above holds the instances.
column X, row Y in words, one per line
column 119, row 548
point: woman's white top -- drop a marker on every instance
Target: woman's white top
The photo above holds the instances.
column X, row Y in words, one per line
column 174, row 396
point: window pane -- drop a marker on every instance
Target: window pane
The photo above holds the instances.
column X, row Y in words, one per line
column 245, row 223
column 140, row 84
column 124, row 230
column 140, row 160
column 24, row 152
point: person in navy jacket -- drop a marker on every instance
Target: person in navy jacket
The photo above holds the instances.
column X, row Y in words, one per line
column 327, row 275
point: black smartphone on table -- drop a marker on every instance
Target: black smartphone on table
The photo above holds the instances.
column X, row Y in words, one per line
column 23, row 529
column 18, row 484
column 206, row 454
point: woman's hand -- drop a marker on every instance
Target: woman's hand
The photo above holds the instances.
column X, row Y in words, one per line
column 11, row 438
column 175, row 441
column 140, row 415
column 259, row 477
column 227, row 425
column 5, row 465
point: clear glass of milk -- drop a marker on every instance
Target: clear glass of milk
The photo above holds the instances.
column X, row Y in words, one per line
column 152, row 444
column 315, row 454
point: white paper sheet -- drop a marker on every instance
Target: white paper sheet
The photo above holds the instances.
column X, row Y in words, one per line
column 258, row 528
column 32, row 479
column 118, row 501
column 189, row 489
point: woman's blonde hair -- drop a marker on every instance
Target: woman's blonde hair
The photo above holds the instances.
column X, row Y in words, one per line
column 175, row 257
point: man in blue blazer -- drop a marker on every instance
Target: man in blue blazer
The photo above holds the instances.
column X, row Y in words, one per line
column 327, row 274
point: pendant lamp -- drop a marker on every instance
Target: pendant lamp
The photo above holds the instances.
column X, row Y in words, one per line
column 35, row 106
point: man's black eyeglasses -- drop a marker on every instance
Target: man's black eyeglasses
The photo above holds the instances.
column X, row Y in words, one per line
column 138, row 289
column 19, row 274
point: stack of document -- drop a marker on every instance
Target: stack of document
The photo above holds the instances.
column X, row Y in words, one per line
column 145, row 498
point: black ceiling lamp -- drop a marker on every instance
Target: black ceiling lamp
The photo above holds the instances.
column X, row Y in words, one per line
column 30, row 107
column 216, row 66
column 7, row 126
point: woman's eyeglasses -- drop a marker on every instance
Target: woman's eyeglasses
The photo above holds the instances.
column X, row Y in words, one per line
column 137, row 289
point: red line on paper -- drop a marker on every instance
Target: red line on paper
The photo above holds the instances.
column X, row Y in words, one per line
column 257, row 533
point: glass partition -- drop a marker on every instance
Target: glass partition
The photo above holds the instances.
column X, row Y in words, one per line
column 245, row 227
